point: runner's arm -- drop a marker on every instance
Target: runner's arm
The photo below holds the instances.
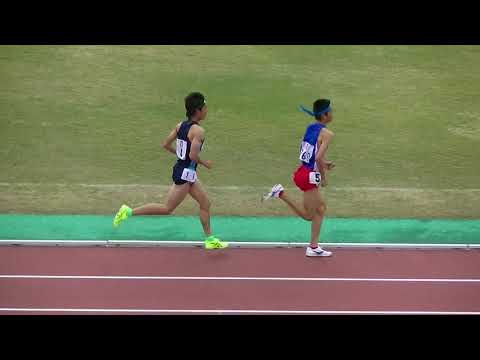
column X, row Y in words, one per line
column 167, row 143
column 196, row 146
column 323, row 140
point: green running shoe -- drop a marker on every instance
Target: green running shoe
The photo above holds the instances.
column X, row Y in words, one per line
column 122, row 215
column 214, row 243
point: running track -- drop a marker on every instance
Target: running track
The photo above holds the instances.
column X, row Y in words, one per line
column 165, row 280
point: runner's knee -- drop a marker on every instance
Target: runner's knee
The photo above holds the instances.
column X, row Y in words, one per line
column 309, row 214
column 169, row 208
column 322, row 209
column 308, row 217
column 205, row 205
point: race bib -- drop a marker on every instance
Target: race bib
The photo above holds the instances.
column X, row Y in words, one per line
column 181, row 149
column 306, row 151
column 189, row 175
column 314, row 177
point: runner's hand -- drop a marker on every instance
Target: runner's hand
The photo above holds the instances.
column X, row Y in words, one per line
column 330, row 165
column 208, row 164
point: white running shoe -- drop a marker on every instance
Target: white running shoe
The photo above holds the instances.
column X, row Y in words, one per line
column 274, row 193
column 317, row 252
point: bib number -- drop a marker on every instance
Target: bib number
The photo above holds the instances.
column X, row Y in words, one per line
column 189, row 175
column 314, row 177
column 181, row 149
column 306, row 151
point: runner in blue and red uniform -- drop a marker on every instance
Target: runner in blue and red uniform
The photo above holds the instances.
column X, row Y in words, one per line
column 311, row 173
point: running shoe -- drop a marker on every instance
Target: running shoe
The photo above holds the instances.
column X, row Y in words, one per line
column 123, row 213
column 212, row 242
column 318, row 251
column 274, row 193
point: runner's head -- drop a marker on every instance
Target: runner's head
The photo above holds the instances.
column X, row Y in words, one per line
column 323, row 111
column 196, row 106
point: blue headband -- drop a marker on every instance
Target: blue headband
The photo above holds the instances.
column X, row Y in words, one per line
column 311, row 113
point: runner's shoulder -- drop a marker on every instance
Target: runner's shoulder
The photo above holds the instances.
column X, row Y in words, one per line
column 197, row 129
column 327, row 132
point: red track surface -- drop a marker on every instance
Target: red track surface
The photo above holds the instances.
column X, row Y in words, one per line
column 327, row 293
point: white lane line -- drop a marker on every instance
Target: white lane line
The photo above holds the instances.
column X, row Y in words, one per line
column 231, row 311
column 236, row 278
column 241, row 187
column 233, row 244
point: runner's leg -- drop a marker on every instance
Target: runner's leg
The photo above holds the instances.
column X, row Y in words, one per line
column 175, row 196
column 198, row 193
column 315, row 207
column 297, row 209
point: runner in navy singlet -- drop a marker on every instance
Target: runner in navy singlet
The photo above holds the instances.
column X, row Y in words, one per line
column 189, row 137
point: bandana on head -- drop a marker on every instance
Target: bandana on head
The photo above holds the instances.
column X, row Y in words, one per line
column 311, row 113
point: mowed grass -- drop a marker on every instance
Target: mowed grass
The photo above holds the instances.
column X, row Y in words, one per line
column 404, row 116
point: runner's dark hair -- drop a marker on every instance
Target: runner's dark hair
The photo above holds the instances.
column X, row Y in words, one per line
column 194, row 101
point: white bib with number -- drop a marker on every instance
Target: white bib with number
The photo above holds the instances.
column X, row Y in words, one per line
column 189, row 175
column 306, row 151
column 181, row 149
column 314, row 177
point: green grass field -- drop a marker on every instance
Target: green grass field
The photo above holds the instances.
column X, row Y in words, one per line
column 405, row 117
